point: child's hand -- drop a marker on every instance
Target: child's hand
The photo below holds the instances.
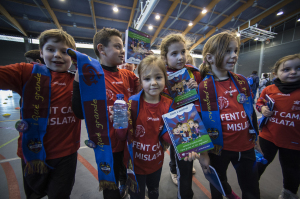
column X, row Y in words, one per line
column 192, row 84
column 257, row 146
column 266, row 111
column 204, row 162
column 192, row 156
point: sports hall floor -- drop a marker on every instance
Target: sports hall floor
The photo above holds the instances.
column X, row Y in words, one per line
column 86, row 184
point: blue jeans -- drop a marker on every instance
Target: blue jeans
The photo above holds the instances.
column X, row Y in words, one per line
column 152, row 183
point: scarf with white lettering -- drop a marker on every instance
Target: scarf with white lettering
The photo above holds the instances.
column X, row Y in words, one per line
column 35, row 111
column 210, row 107
column 133, row 108
column 94, row 106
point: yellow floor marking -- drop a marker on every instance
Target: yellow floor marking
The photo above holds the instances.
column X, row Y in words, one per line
column 8, row 142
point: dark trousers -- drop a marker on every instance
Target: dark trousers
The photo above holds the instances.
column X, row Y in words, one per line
column 183, row 169
column 57, row 183
column 244, row 164
column 152, row 183
column 118, row 167
column 289, row 160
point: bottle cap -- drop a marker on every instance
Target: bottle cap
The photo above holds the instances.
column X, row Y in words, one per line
column 120, row 96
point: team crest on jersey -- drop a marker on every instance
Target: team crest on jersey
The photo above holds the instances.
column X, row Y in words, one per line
column 109, row 94
column 139, row 131
column 223, row 102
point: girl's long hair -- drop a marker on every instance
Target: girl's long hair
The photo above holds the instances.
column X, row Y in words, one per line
column 217, row 45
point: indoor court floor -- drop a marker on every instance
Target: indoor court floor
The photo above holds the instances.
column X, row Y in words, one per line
column 86, row 184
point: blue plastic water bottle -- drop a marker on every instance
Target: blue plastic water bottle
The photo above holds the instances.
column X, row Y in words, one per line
column 120, row 113
column 260, row 157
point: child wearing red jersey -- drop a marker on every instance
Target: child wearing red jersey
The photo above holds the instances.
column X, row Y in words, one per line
column 231, row 128
column 173, row 52
column 282, row 131
column 147, row 126
column 62, row 138
column 108, row 46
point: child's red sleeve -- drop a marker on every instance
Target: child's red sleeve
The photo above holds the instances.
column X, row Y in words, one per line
column 166, row 138
column 136, row 84
column 261, row 101
column 14, row 76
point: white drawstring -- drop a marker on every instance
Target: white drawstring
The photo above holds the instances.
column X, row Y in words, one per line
column 239, row 156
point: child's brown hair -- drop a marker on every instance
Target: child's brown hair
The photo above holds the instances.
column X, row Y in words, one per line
column 170, row 39
column 103, row 37
column 34, row 55
column 59, row 35
column 217, row 46
column 283, row 60
column 150, row 61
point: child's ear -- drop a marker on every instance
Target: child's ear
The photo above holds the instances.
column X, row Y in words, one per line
column 209, row 58
column 100, row 49
column 38, row 61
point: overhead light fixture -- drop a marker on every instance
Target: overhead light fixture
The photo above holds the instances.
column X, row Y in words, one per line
column 204, row 11
column 254, row 3
column 69, row 13
column 298, row 20
column 74, row 25
column 191, row 23
column 157, row 16
column 150, row 27
column 25, row 17
column 62, row 0
column 256, row 39
column 217, row 29
column 238, row 34
column 280, row 12
column 232, row 19
column 115, row 9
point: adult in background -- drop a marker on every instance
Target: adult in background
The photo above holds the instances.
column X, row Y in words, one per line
column 255, row 84
column 263, row 82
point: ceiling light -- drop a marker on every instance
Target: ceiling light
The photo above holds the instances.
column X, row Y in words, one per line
column 232, row 19
column 62, row 0
column 115, row 9
column 254, row 3
column 69, row 13
column 157, row 16
column 25, row 17
column 298, row 20
column 150, row 27
column 238, row 34
column 256, row 39
column 191, row 23
column 204, row 11
column 280, row 12
column 74, row 25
